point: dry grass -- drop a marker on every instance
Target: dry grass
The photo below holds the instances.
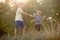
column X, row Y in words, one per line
column 51, row 34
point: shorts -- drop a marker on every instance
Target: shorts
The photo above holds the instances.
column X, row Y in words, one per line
column 37, row 27
column 20, row 24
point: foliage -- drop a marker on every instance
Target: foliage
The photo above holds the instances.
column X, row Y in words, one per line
column 7, row 14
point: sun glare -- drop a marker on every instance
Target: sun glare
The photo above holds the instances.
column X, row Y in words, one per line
column 2, row 1
column 21, row 1
column 11, row 4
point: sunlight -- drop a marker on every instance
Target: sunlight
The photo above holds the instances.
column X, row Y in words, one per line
column 2, row 1
column 40, row 1
column 11, row 4
column 50, row 18
column 21, row 1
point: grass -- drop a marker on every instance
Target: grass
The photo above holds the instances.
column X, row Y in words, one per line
column 49, row 35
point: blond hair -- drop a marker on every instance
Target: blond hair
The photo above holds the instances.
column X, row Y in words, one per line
column 39, row 12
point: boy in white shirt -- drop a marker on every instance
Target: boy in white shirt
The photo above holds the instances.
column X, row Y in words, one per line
column 19, row 19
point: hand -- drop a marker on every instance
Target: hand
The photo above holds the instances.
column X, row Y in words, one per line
column 31, row 21
column 30, row 15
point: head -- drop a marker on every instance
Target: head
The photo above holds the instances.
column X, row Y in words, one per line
column 20, row 5
column 38, row 13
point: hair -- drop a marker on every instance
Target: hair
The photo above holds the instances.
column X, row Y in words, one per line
column 19, row 4
column 39, row 12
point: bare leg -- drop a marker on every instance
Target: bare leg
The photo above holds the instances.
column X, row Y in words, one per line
column 24, row 30
column 15, row 32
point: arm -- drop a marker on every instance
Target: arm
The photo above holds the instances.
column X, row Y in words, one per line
column 32, row 20
column 27, row 14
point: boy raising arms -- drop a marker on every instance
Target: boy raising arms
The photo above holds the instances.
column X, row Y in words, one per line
column 19, row 19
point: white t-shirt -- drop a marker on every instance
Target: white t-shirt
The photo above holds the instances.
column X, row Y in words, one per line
column 19, row 16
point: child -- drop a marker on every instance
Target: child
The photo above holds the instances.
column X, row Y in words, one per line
column 38, row 21
column 19, row 19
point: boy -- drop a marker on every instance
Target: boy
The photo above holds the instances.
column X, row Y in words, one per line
column 19, row 19
column 37, row 20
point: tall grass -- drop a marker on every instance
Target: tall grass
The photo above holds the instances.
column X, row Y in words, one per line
column 50, row 33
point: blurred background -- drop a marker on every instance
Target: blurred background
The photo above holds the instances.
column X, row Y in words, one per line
column 49, row 8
